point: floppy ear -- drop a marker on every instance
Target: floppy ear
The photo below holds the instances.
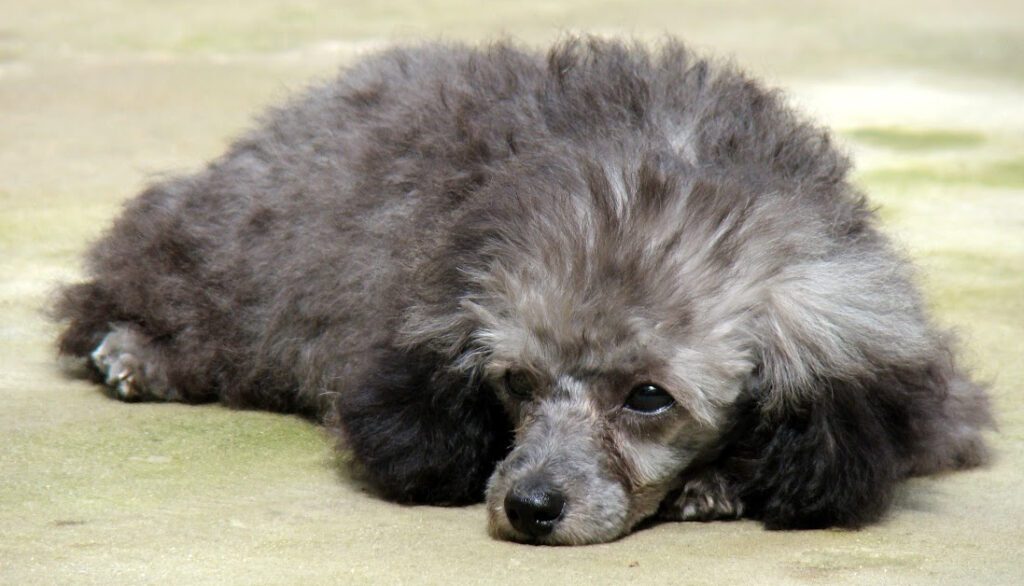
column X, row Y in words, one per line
column 858, row 391
column 832, row 461
column 834, row 457
column 423, row 433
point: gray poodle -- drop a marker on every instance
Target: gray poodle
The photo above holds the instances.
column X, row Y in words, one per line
column 593, row 287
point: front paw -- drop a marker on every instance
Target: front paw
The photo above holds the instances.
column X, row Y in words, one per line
column 705, row 497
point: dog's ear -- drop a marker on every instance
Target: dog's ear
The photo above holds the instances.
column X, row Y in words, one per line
column 834, row 460
column 858, row 391
column 423, row 433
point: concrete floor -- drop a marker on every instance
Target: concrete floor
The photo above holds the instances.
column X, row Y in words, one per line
column 98, row 97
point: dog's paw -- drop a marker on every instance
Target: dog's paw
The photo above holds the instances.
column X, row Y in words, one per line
column 119, row 368
column 706, row 497
column 124, row 371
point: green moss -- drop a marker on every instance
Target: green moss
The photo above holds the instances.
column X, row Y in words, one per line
column 985, row 285
column 1005, row 173
column 911, row 139
column 152, row 453
column 1009, row 173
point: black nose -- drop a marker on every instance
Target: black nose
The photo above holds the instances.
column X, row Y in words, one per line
column 534, row 510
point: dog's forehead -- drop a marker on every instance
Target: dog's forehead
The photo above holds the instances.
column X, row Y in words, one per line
column 606, row 325
column 564, row 314
column 560, row 331
column 620, row 273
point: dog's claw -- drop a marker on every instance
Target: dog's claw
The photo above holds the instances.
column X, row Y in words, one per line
column 126, row 388
column 119, row 358
column 704, row 498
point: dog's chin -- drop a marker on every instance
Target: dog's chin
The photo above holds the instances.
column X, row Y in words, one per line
column 565, row 533
column 568, row 532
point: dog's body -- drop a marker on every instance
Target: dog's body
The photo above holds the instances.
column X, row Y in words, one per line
column 616, row 283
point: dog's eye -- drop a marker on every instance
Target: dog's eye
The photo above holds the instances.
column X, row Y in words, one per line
column 649, row 399
column 518, row 385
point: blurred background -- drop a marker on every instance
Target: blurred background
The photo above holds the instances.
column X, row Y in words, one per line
column 97, row 98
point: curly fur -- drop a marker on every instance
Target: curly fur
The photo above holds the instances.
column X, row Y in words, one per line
column 383, row 250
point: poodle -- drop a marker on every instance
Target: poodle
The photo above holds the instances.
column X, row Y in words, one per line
column 602, row 285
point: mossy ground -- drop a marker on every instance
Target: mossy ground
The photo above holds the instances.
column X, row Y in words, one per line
column 97, row 98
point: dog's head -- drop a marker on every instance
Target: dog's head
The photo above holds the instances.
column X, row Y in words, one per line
column 617, row 339
column 602, row 439
column 619, row 315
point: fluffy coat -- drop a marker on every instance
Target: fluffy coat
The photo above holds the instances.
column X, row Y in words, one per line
column 389, row 250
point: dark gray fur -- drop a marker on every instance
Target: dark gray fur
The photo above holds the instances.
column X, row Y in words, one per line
column 381, row 251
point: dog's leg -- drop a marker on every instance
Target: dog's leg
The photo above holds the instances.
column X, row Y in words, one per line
column 706, row 496
column 131, row 366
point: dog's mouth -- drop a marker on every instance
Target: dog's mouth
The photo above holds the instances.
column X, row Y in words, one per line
column 542, row 515
column 572, row 508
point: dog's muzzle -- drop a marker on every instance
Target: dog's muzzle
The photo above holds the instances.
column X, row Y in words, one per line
column 558, row 486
